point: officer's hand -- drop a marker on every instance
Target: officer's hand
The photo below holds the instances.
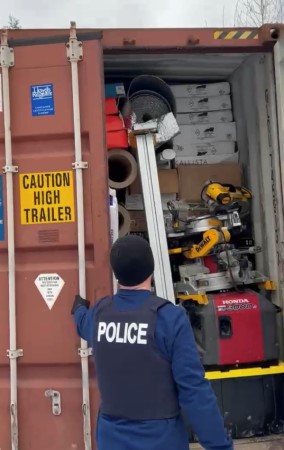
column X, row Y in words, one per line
column 79, row 301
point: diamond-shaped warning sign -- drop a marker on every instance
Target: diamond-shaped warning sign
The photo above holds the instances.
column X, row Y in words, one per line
column 50, row 286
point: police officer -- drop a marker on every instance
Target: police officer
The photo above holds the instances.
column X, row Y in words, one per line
column 147, row 365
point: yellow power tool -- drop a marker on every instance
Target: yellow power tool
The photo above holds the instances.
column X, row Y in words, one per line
column 209, row 239
column 224, row 194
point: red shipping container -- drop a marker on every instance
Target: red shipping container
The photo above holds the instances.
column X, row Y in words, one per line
column 45, row 144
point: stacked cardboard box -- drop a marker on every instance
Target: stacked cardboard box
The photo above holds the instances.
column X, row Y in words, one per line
column 207, row 131
column 168, row 180
column 184, row 183
column 191, row 179
column 205, row 149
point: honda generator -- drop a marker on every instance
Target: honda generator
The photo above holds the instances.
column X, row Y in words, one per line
column 235, row 328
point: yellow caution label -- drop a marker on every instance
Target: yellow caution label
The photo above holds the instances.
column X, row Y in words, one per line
column 47, row 197
column 251, row 34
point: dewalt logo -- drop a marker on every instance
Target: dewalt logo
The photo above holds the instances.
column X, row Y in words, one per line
column 202, row 244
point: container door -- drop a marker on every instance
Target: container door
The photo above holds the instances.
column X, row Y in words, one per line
column 279, row 77
column 48, row 411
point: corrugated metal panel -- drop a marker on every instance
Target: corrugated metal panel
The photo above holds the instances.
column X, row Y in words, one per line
column 47, row 243
column 179, row 67
column 192, row 39
column 188, row 38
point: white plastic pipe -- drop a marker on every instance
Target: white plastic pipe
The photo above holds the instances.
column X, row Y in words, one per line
column 114, row 228
column 11, row 242
column 74, row 58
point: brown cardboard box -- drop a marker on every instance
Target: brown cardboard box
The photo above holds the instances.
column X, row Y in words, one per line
column 134, row 202
column 192, row 178
column 138, row 221
column 168, row 179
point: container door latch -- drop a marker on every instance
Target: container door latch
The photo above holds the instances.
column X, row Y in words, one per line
column 56, row 401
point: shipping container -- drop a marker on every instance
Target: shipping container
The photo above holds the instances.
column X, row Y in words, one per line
column 44, row 384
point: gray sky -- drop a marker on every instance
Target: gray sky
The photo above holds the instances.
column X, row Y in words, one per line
column 119, row 13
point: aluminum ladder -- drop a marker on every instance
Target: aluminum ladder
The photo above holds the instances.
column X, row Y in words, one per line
column 154, row 210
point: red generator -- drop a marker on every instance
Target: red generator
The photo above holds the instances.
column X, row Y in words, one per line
column 235, row 328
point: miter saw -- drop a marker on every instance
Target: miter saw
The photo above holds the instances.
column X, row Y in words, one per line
column 224, row 194
column 210, row 261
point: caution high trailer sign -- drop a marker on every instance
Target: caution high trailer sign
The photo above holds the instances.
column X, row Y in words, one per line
column 47, row 197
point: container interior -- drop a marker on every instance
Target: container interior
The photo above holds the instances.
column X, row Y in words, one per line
column 252, row 79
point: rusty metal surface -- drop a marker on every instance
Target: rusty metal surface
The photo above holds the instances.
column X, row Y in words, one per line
column 50, row 346
column 190, row 39
column 48, row 338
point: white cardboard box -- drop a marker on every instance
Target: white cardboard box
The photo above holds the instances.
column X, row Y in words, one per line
column 199, row 104
column 205, row 117
column 201, row 90
column 135, row 202
column 206, row 149
column 204, row 160
column 196, row 134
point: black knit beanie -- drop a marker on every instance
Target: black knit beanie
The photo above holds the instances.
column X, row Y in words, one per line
column 132, row 261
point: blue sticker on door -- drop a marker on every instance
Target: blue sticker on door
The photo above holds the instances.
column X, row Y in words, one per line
column 42, row 99
column 1, row 210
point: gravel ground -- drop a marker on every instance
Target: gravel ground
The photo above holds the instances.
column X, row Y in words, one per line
column 275, row 443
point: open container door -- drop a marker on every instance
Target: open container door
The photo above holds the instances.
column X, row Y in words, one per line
column 54, row 235
column 279, row 77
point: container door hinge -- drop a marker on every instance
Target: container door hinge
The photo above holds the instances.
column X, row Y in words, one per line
column 14, row 354
column 6, row 53
column 74, row 47
column 56, row 401
column 80, row 165
column 13, row 169
column 85, row 352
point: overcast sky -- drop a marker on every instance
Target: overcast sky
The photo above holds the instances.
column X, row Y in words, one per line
column 119, row 13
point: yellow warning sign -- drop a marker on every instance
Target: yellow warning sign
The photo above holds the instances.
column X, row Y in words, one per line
column 47, row 197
